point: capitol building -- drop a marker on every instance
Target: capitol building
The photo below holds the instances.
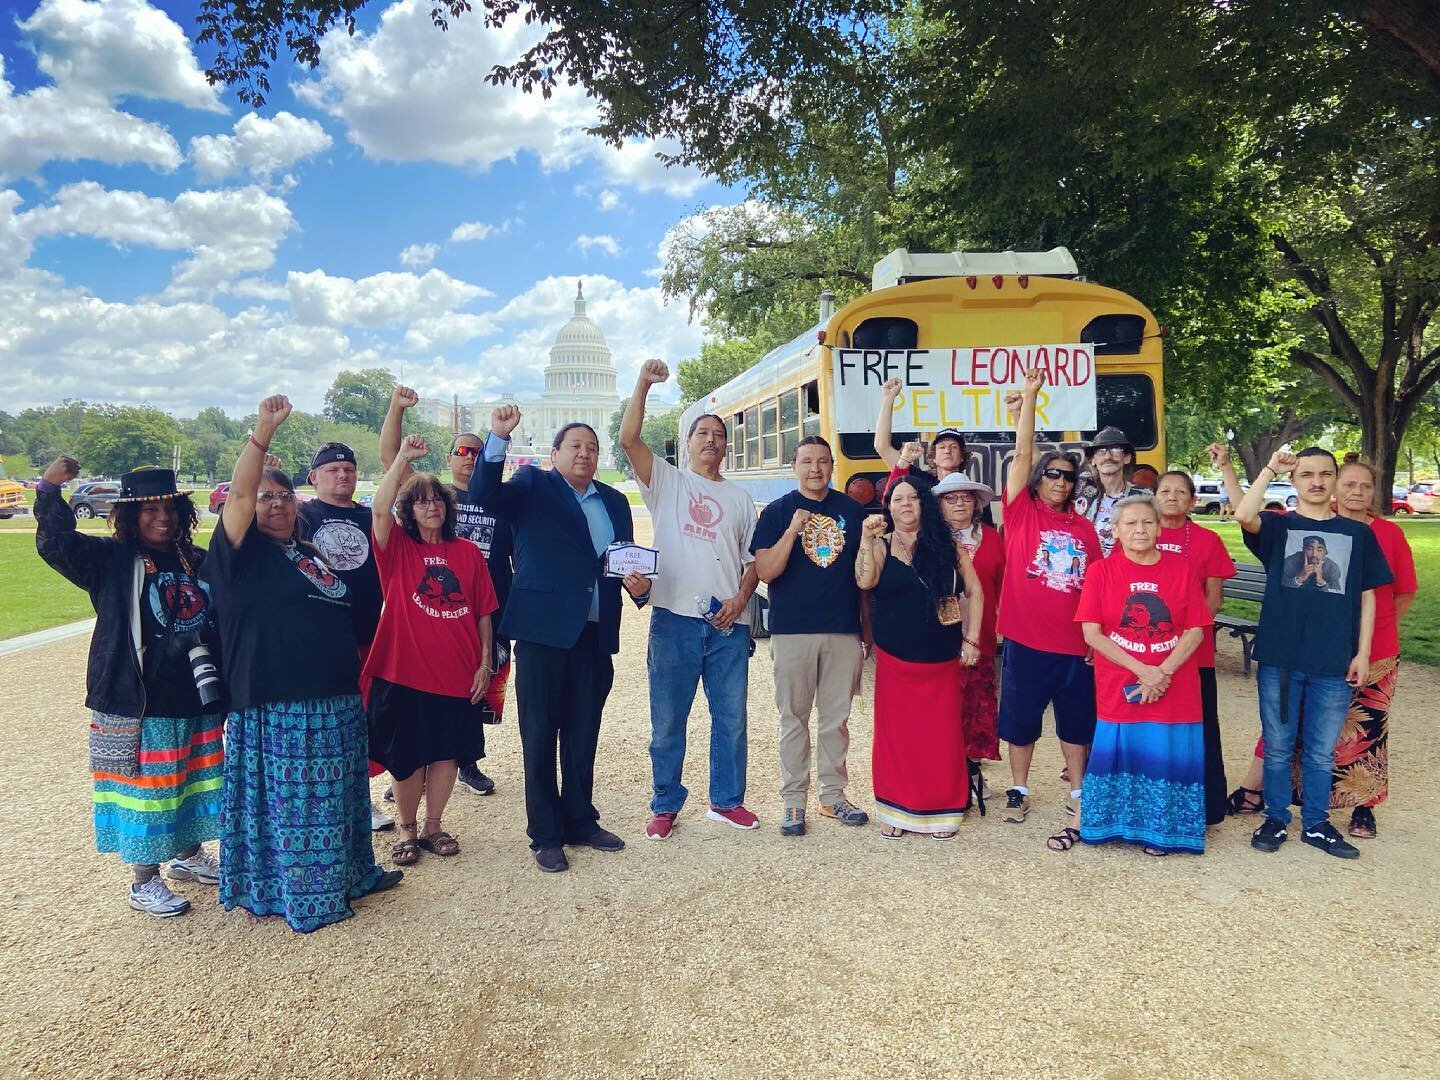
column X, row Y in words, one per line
column 579, row 386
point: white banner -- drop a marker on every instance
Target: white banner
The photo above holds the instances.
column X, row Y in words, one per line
column 963, row 388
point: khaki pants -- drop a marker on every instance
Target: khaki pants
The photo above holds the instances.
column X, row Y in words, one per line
column 816, row 670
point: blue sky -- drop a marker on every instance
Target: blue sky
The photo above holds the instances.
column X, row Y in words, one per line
column 160, row 242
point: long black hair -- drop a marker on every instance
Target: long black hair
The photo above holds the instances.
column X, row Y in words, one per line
column 934, row 557
column 125, row 523
column 1048, row 459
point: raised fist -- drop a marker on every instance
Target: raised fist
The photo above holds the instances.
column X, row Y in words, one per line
column 799, row 518
column 891, row 389
column 1034, row 380
column 414, row 447
column 653, row 372
column 1282, row 462
column 874, row 527
column 272, row 413
column 1013, row 400
column 1219, row 454
column 504, row 420
column 273, row 462
column 403, row 397
column 911, row 453
column 62, row 470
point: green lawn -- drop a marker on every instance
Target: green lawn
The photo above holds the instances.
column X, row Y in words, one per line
column 1420, row 632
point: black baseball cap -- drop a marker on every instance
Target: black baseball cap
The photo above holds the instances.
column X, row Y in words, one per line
column 949, row 433
column 331, row 451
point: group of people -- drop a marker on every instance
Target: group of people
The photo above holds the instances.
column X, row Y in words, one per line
column 247, row 693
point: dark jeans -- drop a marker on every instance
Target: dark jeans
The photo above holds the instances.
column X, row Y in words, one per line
column 1216, row 798
column 560, row 694
column 1284, row 697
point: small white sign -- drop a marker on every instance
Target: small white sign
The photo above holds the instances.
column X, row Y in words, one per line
column 622, row 559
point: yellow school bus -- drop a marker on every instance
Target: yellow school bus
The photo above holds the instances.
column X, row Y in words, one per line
column 992, row 313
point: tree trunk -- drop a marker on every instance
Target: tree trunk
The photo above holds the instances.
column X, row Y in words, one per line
column 1381, row 448
column 1255, row 451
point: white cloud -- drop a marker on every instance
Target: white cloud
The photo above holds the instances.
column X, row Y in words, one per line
column 470, row 230
column 418, row 255
column 118, row 48
column 259, row 146
column 408, row 93
column 227, row 232
column 52, row 122
column 608, row 244
column 608, row 200
column 381, row 300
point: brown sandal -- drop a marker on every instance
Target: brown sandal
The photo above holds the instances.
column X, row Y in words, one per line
column 440, row 843
column 405, row 852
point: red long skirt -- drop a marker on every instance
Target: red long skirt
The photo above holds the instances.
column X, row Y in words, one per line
column 921, row 781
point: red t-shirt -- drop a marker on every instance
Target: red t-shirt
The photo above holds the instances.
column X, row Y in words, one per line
column 1047, row 553
column 429, row 638
column 1391, row 538
column 989, row 561
column 1206, row 553
column 1144, row 610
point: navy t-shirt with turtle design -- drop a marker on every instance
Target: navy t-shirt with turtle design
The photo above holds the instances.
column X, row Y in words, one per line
column 817, row 593
column 341, row 534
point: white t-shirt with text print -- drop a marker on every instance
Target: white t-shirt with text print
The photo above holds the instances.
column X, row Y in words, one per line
column 702, row 531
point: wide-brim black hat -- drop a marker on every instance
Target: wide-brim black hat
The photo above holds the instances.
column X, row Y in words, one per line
column 1111, row 437
column 148, row 484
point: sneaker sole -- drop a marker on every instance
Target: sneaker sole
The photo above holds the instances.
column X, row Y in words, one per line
column 1351, row 854
column 477, row 791
column 189, row 875
column 713, row 816
column 160, row 914
column 853, row 824
column 1266, row 846
column 1014, row 817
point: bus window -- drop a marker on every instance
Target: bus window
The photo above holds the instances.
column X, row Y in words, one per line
column 810, row 409
column 1114, row 335
column 887, row 332
column 1127, row 402
column 736, row 450
column 859, row 445
column 770, row 448
column 752, row 437
column 789, row 424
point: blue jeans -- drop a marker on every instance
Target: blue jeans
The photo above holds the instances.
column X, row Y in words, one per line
column 683, row 652
column 1323, row 700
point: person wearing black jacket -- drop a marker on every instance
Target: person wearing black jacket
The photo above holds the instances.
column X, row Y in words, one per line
column 155, row 730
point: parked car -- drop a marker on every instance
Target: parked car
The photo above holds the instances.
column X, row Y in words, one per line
column 217, row 497
column 1281, row 495
column 1209, row 494
column 94, row 499
column 1399, row 504
column 1422, row 497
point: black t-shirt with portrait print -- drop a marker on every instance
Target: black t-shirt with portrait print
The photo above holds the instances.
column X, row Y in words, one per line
column 285, row 622
column 817, row 593
column 341, row 534
column 1315, row 572
column 175, row 615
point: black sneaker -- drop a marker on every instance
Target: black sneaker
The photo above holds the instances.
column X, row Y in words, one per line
column 1269, row 836
column 474, row 781
column 551, row 860
column 1328, row 839
column 1017, row 805
column 600, row 840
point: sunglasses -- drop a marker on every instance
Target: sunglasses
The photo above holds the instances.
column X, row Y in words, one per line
column 1059, row 474
column 466, row 451
column 272, row 496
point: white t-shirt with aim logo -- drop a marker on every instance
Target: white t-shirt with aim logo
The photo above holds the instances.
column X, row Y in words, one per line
column 702, row 531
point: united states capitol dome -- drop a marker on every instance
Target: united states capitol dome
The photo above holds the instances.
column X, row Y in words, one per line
column 580, row 361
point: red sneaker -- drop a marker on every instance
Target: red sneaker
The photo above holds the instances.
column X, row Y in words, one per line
column 659, row 827
column 737, row 816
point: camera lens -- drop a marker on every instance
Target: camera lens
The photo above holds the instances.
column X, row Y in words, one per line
column 207, row 678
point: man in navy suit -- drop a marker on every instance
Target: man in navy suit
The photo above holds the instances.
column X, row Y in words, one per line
column 564, row 617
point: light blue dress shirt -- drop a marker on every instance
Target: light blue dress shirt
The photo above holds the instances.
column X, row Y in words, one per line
column 597, row 518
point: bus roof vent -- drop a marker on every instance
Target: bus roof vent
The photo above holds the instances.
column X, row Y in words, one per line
column 902, row 266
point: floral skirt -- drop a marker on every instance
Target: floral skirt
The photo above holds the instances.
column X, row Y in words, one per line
column 295, row 826
column 168, row 803
column 979, row 712
column 1145, row 784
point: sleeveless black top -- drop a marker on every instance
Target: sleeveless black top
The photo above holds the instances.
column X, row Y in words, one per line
column 902, row 617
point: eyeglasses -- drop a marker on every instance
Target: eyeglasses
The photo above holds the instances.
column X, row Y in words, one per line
column 429, row 500
column 953, row 497
column 1059, row 474
column 1115, row 451
column 466, row 451
column 272, row 496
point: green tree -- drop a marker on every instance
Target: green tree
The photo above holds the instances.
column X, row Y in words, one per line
column 717, row 364
column 659, row 432
column 116, row 439
column 360, row 397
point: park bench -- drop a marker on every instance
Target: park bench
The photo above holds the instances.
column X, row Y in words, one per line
column 1247, row 584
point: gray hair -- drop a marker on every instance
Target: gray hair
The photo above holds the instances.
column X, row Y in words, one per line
column 1143, row 498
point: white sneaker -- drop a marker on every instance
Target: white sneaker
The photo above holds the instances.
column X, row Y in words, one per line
column 379, row 820
column 202, row 867
column 155, row 899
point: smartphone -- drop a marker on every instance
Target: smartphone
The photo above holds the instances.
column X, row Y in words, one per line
column 1133, row 693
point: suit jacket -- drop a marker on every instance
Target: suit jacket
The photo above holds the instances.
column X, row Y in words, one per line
column 556, row 568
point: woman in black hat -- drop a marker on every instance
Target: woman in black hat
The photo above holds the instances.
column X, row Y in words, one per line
column 151, row 686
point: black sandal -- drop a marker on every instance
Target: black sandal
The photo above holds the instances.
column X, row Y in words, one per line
column 1239, row 801
column 1362, row 823
column 1063, row 840
column 1155, row 851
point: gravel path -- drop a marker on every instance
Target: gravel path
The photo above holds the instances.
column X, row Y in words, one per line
column 723, row 953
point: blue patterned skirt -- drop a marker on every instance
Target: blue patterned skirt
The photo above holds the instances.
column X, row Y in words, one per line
column 1145, row 784
column 295, row 821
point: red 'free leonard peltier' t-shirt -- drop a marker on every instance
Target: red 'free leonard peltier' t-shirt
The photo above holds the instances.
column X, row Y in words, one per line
column 1207, row 556
column 1385, row 642
column 1144, row 610
column 1047, row 554
column 429, row 638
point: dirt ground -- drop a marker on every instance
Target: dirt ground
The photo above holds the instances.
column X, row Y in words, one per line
column 722, row 953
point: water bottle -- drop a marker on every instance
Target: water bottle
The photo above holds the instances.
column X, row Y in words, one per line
column 708, row 610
